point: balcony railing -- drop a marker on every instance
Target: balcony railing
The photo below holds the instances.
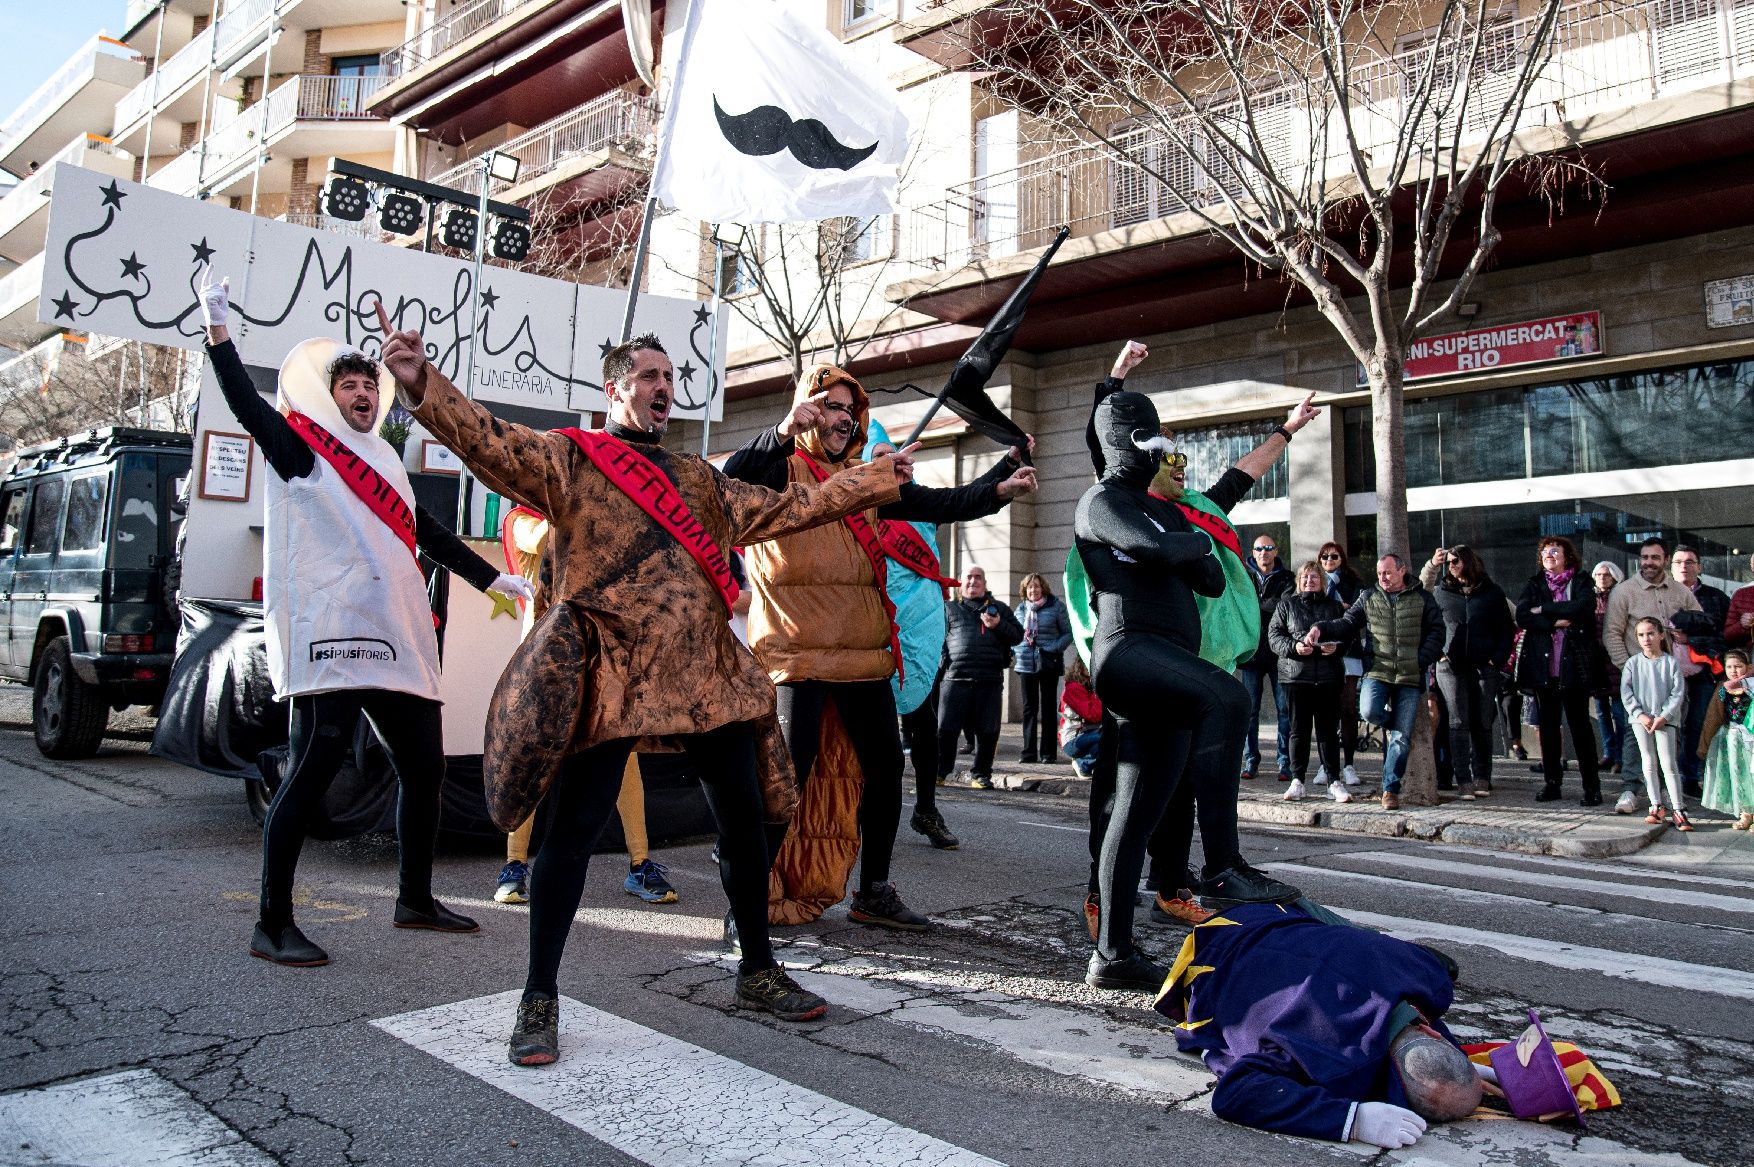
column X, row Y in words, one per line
column 26, row 198
column 463, row 22
column 21, row 285
column 309, row 98
column 239, row 24
column 1606, row 56
column 219, row 43
column 621, row 120
column 51, row 93
column 182, row 67
column 365, row 229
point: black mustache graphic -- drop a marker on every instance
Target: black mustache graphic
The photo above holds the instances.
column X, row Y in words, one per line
column 768, row 129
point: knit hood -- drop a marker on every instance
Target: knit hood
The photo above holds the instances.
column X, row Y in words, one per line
column 824, row 377
column 1123, row 420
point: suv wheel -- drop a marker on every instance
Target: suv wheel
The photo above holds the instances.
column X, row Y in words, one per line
column 68, row 715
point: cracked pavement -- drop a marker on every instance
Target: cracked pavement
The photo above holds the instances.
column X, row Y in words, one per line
column 129, row 890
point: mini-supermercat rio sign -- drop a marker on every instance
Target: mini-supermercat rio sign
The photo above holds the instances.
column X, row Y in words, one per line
column 122, row 259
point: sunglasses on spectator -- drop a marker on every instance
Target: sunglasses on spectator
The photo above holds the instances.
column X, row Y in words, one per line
column 1330, row 555
column 1265, row 547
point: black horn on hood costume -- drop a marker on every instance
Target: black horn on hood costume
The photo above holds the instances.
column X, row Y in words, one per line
column 1146, row 563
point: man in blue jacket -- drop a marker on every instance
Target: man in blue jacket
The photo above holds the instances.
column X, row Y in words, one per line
column 1318, row 1028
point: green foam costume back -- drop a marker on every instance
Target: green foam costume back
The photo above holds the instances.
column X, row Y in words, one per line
column 1230, row 625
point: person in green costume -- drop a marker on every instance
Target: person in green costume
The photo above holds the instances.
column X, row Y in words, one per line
column 1230, row 630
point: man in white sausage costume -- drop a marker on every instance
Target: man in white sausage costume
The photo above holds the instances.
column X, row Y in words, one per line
column 349, row 627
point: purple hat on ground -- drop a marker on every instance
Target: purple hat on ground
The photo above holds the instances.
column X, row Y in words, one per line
column 1529, row 1073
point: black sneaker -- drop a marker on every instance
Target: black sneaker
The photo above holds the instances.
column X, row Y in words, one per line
column 1242, row 884
column 732, row 942
column 286, row 945
column 772, row 991
column 536, row 1032
column 439, row 919
column 1132, row 971
column 1548, row 794
column 1028, row 758
column 931, row 824
column 882, row 908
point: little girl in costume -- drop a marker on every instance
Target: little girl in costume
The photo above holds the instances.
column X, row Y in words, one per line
column 1655, row 695
column 1727, row 745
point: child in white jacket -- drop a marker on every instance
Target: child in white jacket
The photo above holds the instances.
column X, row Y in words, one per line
column 1655, row 695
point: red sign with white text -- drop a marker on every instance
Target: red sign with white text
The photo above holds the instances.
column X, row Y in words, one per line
column 1481, row 350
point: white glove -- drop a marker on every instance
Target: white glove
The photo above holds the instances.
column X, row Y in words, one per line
column 215, row 299
column 515, row 586
column 1386, row 1126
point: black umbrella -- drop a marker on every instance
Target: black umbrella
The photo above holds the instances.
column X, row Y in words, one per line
column 965, row 391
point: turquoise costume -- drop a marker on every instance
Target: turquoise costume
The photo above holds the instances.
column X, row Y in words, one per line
column 919, row 614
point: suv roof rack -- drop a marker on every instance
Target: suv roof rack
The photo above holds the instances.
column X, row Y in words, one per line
column 95, row 444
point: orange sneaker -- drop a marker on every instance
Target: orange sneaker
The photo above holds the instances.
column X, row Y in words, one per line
column 1093, row 915
column 1176, row 910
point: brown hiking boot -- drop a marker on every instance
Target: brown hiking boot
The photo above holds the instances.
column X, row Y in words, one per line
column 1391, row 800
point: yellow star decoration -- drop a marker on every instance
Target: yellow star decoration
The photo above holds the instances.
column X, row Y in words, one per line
column 503, row 605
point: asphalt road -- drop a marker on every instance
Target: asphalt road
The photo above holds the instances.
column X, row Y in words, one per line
column 134, row 1017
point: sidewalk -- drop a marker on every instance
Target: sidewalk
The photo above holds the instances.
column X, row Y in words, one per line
column 1508, row 820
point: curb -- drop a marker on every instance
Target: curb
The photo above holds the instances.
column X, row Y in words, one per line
column 1616, row 836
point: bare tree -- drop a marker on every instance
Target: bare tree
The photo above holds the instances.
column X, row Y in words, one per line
column 64, row 392
column 813, row 290
column 1351, row 147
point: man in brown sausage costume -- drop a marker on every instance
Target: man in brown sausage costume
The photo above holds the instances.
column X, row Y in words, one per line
column 635, row 645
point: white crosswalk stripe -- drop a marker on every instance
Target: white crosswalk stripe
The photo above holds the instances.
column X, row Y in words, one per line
column 1632, row 869
column 131, row 1119
column 1622, row 887
column 716, row 1111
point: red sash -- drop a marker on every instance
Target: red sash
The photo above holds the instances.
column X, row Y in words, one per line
column 875, row 552
column 635, row 476
column 1211, row 524
column 373, row 489
column 903, row 544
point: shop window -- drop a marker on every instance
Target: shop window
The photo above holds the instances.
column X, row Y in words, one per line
column 86, row 496
column 1213, row 451
column 1663, row 417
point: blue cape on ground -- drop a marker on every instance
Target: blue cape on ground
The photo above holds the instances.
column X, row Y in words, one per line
column 1295, row 1015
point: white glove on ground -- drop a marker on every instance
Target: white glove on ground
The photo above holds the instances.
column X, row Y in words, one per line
column 515, row 586
column 215, row 299
column 1386, row 1126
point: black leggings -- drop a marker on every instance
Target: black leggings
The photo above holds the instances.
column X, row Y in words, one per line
column 1170, row 847
column 322, row 735
column 1041, row 700
column 1348, row 716
column 1320, row 703
column 867, row 713
column 920, row 730
column 1161, row 694
column 1574, row 703
column 969, row 707
column 580, row 804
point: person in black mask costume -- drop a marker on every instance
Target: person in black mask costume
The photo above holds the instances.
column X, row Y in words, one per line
column 1146, row 563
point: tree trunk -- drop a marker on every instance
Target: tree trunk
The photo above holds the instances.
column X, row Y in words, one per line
column 1388, row 435
column 1419, row 785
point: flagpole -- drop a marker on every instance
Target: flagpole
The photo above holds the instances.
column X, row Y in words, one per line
column 666, row 131
column 712, row 346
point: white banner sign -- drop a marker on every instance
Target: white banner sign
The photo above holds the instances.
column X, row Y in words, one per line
column 124, row 259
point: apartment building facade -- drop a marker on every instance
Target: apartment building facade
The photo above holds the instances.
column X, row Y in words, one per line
column 1633, row 419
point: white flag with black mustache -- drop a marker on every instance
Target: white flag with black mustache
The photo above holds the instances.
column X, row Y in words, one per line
column 774, row 121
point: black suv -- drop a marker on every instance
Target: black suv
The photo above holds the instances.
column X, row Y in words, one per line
column 85, row 616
